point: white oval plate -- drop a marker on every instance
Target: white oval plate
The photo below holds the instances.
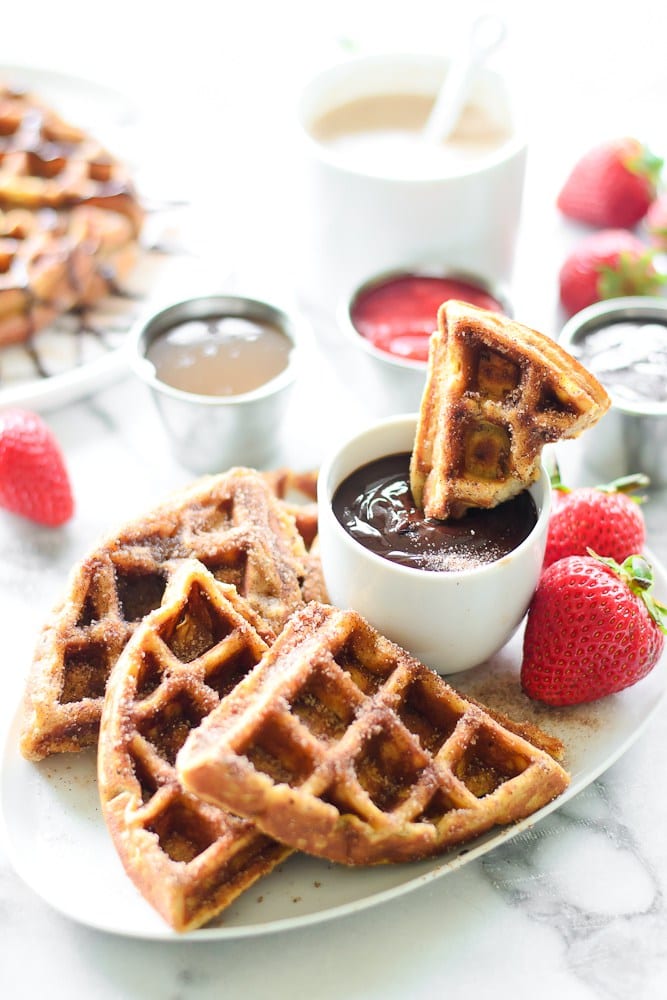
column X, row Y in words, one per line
column 57, row 840
column 80, row 357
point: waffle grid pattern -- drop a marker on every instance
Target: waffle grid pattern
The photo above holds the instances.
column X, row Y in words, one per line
column 238, row 530
column 342, row 745
column 496, row 394
column 189, row 859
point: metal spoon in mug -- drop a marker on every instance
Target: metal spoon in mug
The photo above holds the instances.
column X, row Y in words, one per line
column 486, row 34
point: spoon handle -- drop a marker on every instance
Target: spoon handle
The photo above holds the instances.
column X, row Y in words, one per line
column 486, row 34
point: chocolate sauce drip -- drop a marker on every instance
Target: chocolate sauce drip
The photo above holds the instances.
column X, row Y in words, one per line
column 36, row 360
column 77, row 321
column 375, row 506
column 117, row 291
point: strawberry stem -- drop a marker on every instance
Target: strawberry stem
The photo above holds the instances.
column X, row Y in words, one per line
column 626, row 484
column 630, row 275
column 646, row 164
column 637, row 573
column 556, row 481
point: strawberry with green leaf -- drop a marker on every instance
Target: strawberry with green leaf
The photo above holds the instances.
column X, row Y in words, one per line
column 605, row 518
column 593, row 628
column 606, row 265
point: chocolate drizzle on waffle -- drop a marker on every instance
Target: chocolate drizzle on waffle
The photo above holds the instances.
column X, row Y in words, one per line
column 48, row 163
column 69, row 226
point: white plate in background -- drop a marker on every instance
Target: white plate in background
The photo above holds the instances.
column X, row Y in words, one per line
column 82, row 355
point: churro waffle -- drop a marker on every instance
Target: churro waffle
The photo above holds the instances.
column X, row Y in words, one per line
column 298, row 491
column 188, row 859
column 496, row 393
column 342, row 745
column 232, row 523
column 69, row 217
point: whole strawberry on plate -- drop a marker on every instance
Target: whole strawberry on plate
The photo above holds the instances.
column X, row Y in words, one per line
column 593, row 628
column 33, row 477
column 605, row 265
column 604, row 518
column 612, row 185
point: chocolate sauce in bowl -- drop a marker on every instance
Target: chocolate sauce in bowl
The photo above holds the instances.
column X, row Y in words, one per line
column 375, row 506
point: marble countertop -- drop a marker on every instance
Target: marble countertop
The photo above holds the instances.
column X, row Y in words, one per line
column 574, row 906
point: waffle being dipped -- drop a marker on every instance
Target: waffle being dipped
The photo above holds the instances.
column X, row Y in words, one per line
column 496, row 393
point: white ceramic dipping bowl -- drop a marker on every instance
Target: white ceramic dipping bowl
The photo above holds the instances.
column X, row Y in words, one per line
column 450, row 621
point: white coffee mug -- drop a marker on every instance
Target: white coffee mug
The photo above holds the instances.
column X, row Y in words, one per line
column 356, row 222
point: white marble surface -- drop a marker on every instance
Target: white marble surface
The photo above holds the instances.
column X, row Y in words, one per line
column 575, row 907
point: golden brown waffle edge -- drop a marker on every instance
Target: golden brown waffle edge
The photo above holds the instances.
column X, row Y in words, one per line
column 190, row 860
column 342, row 745
column 232, row 523
column 496, row 393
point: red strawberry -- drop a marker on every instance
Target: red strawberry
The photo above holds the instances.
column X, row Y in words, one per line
column 603, row 518
column 612, row 185
column 593, row 628
column 605, row 265
column 656, row 222
column 33, row 477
